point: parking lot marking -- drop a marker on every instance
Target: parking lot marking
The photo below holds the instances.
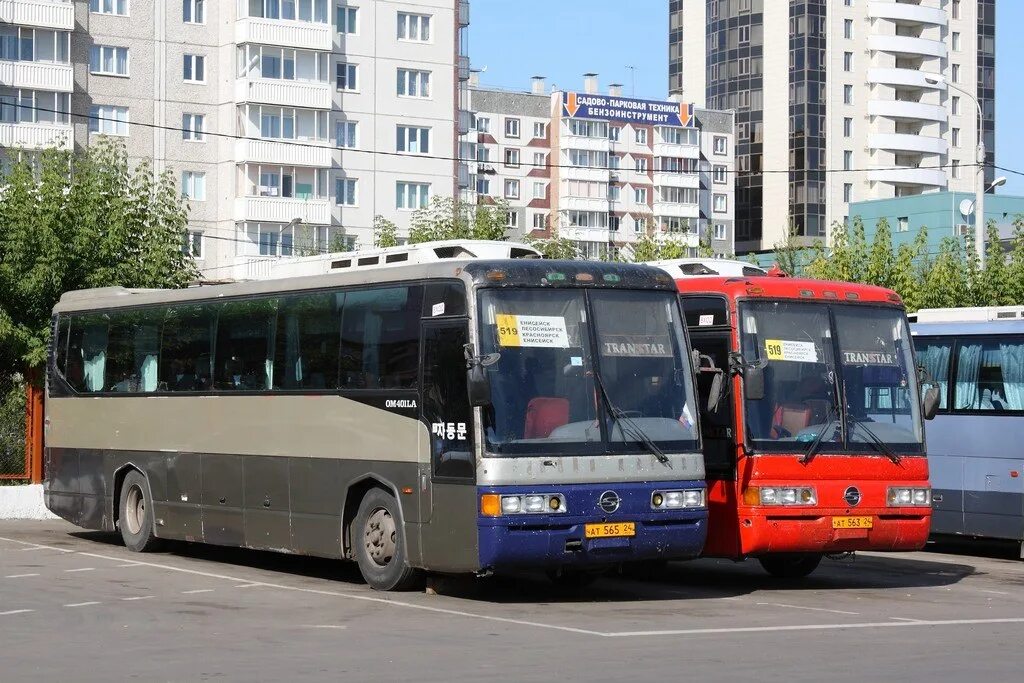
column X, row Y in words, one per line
column 82, row 604
column 249, row 585
column 130, row 564
column 331, row 626
column 198, row 590
column 80, row 569
column 19, row 576
column 906, row 619
column 138, row 597
column 815, row 609
column 15, row 611
column 994, row 592
column 811, row 627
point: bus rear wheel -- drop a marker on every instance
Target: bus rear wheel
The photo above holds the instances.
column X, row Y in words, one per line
column 790, row 565
column 136, row 514
column 379, row 544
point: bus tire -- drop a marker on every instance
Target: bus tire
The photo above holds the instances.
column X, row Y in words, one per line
column 790, row 565
column 379, row 544
column 136, row 514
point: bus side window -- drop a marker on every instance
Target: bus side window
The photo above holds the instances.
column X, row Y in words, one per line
column 380, row 338
column 990, row 374
column 934, row 355
column 87, row 353
column 446, row 406
column 308, row 334
column 186, row 353
column 244, row 343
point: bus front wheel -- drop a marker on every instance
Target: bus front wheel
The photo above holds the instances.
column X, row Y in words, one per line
column 379, row 544
column 790, row 565
column 136, row 514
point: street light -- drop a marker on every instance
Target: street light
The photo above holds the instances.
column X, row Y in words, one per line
column 979, row 169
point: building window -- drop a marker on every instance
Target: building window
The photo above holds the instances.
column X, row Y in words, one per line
column 744, row 34
column 512, row 219
column 720, row 145
column 511, row 128
column 954, row 169
column 347, row 76
column 345, row 191
column 640, row 224
column 412, row 139
column 955, row 105
column 411, row 196
column 540, row 221
column 615, row 161
column 193, row 185
column 415, row 27
column 847, row 127
column 511, row 188
column 847, row 94
column 955, row 137
column 719, row 231
column 641, row 136
column 614, row 222
column 955, row 73
column 640, row 195
column 847, row 28
column 903, row 223
column 346, row 134
column 540, row 160
column 108, row 120
column 956, row 9
column 539, row 129
column 193, row 11
column 193, row 244
column 483, row 186
column 538, row 190
column 847, row 160
column 194, row 69
column 193, row 127
column 956, row 41
column 614, row 192
column 847, row 61
column 483, row 124
column 721, row 203
column 641, row 165
column 346, row 19
column 116, row 7
column 412, row 83
column 512, row 157
column 108, row 60
column 847, row 192
column 719, row 174
column 614, row 132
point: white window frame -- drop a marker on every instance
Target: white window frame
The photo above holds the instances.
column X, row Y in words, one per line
column 110, row 7
column 720, row 232
column 511, row 188
column 954, row 137
column 540, row 130
column 512, row 127
column 346, row 192
column 540, row 221
column 540, row 160
column 483, row 124
column 719, row 174
column 350, row 136
column 423, row 25
column 720, row 203
column 511, row 157
column 414, row 82
column 194, row 245
column 99, row 52
column 414, row 196
column 190, row 131
column 720, row 145
column 351, row 22
column 539, row 190
column 193, row 185
column 412, row 139
column 107, row 115
column 640, row 195
column 193, row 12
column 512, row 219
column 640, row 165
column 351, row 77
column 196, row 63
column 640, row 135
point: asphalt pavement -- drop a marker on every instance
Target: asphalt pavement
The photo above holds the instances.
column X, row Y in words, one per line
column 77, row 606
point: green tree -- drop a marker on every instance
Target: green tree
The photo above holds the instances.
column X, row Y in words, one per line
column 1015, row 268
column 881, row 261
column 993, row 286
column 945, row 281
column 905, row 278
column 385, row 233
column 704, row 248
column 791, row 255
column 446, row 218
column 79, row 220
column 649, row 248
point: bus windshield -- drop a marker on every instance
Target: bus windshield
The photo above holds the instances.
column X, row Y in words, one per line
column 841, row 374
column 571, row 358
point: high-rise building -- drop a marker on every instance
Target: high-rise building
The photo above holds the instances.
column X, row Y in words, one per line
column 289, row 124
column 605, row 170
column 838, row 101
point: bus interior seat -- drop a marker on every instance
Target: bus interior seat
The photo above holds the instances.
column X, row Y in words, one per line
column 543, row 415
column 790, row 418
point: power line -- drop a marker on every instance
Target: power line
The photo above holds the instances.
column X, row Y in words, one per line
column 438, row 157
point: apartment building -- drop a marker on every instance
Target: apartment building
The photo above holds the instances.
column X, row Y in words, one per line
column 289, row 124
column 605, row 170
column 838, row 101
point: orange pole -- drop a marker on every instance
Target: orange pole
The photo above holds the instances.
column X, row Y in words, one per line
column 34, row 430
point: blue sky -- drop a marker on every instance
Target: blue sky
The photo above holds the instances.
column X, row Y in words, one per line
column 560, row 39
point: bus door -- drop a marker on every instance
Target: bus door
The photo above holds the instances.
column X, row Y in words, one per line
column 449, row 532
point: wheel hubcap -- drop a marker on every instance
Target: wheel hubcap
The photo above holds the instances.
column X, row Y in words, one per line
column 379, row 537
column 134, row 510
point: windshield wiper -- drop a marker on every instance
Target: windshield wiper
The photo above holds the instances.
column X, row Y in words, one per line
column 634, row 431
column 880, row 445
column 812, row 450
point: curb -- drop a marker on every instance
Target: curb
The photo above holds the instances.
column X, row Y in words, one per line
column 23, row 502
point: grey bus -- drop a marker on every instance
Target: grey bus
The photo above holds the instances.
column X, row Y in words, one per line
column 462, row 416
column 976, row 357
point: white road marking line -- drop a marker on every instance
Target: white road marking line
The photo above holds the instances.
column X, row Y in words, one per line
column 333, row 626
column 200, row 590
column 814, row 609
column 19, row 576
column 139, row 597
column 130, row 564
column 82, row 604
column 913, row 621
column 249, row 585
column 15, row 611
column 811, row 627
column 80, row 569
column 42, row 547
column 993, row 592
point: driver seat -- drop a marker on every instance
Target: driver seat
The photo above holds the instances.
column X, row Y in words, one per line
column 790, row 419
column 543, row 415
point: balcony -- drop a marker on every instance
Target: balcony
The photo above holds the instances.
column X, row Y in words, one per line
column 464, row 175
column 676, row 179
column 316, row 211
column 907, row 13
column 583, row 173
column 463, row 68
column 35, row 136
column 307, row 94
column 301, row 35
column 465, row 121
column 907, row 45
column 598, row 204
column 916, row 111
column 570, row 141
column 54, row 14
column 932, row 177
column 463, row 13
column 676, row 210
column 904, row 142
column 37, row 76
column 252, row 267
column 284, row 152
column 668, row 149
column 904, row 77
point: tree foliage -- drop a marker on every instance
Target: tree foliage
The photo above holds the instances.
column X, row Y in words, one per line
column 385, row 233
column 78, row 220
column 446, row 218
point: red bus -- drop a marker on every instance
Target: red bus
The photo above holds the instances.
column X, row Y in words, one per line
column 817, row 443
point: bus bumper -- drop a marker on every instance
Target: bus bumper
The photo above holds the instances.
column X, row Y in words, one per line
column 812, row 531
column 546, row 540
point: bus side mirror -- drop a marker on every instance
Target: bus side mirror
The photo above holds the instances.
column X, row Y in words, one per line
column 753, row 382
column 930, row 402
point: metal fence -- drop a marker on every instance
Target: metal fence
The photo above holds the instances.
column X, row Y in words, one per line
column 14, row 462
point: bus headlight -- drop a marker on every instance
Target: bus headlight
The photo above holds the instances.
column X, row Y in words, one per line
column 905, row 496
column 493, row 505
column 781, row 495
column 676, row 500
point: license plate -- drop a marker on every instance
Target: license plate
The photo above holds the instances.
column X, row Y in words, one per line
column 852, row 522
column 610, row 530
